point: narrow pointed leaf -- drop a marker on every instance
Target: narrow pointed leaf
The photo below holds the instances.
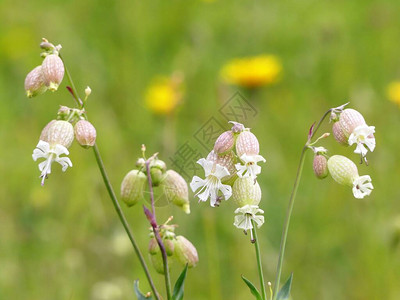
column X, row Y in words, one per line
column 179, row 285
column 284, row 293
column 138, row 293
column 252, row 288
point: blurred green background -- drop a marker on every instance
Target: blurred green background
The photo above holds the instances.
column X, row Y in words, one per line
column 64, row 241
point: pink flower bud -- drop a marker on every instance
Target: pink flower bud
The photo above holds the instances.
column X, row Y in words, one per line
column 228, row 161
column 132, row 187
column 34, row 82
column 224, row 142
column 247, row 143
column 185, row 252
column 58, row 132
column 320, row 166
column 246, row 191
column 85, row 133
column 53, row 71
column 176, row 190
column 349, row 119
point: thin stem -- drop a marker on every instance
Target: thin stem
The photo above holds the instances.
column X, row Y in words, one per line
column 123, row 219
column 291, row 203
column 259, row 263
column 112, row 195
column 287, row 221
column 153, row 223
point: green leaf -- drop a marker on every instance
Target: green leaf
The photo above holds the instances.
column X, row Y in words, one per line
column 138, row 293
column 284, row 293
column 252, row 288
column 179, row 285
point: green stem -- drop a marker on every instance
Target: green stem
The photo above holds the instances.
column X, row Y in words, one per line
column 123, row 219
column 112, row 195
column 153, row 223
column 259, row 263
column 291, row 203
column 287, row 221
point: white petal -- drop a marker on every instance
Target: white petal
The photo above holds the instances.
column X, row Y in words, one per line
column 220, row 171
column 226, row 191
column 60, row 149
column 206, row 164
column 240, row 169
column 65, row 162
column 196, row 183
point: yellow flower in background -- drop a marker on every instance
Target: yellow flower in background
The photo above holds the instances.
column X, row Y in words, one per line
column 393, row 92
column 252, row 72
column 164, row 94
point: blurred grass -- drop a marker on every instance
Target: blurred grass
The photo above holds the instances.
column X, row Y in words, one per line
column 57, row 242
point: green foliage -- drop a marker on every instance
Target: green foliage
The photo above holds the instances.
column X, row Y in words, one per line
column 252, row 288
column 139, row 294
column 284, row 293
column 179, row 285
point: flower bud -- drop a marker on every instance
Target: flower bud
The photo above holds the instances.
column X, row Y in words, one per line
column 224, row 142
column 53, row 71
column 157, row 171
column 34, row 82
column 228, row 161
column 85, row 133
column 247, row 143
column 342, row 170
column 349, row 119
column 176, row 190
column 246, row 191
column 320, row 166
column 237, row 127
column 132, row 187
column 155, row 256
column 185, row 252
column 88, row 91
column 58, row 132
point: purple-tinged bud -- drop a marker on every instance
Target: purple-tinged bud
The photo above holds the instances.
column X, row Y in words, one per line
column 349, row 119
column 320, row 166
column 132, row 187
column 157, row 171
column 43, row 134
column 53, row 71
column 63, row 112
column 247, row 143
column 185, row 252
column 237, row 127
column 153, row 246
column 58, row 132
column 85, row 133
column 175, row 189
column 342, row 170
column 246, row 191
column 34, row 82
column 228, row 161
column 224, row 142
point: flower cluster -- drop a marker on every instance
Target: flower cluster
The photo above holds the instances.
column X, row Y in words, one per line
column 171, row 184
column 48, row 75
column 349, row 127
column 58, row 135
column 231, row 170
column 177, row 247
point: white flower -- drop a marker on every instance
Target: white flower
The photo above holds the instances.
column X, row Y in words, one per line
column 250, row 167
column 319, row 150
column 50, row 153
column 211, row 185
column 362, row 186
column 363, row 136
column 247, row 214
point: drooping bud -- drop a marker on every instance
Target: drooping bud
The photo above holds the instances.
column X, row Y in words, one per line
column 342, row 170
column 185, row 252
column 132, row 187
column 58, row 132
column 349, row 119
column 169, row 246
column 155, row 256
column 157, row 171
column 85, row 133
column 247, row 143
column 228, row 161
column 246, row 191
column 53, row 71
column 224, row 142
column 320, row 166
column 34, row 82
column 175, row 189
